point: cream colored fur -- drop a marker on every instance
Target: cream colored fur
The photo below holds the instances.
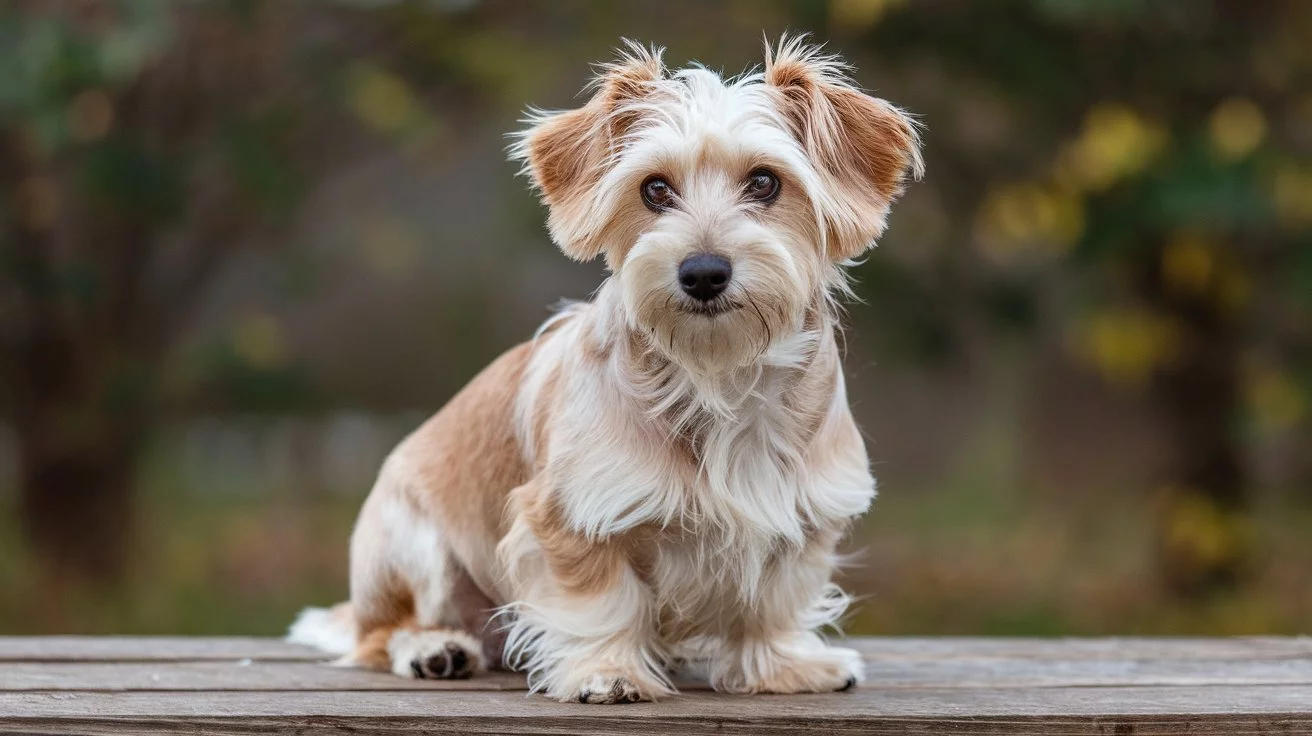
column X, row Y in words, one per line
column 650, row 481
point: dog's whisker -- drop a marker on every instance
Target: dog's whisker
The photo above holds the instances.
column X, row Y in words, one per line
column 765, row 325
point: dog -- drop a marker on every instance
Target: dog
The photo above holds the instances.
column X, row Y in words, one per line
column 659, row 479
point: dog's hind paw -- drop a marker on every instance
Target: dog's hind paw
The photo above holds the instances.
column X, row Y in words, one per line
column 435, row 654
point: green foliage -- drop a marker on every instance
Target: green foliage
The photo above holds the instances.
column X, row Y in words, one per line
column 50, row 61
column 266, row 180
column 122, row 177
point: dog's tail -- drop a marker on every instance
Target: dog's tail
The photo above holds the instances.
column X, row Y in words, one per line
column 329, row 629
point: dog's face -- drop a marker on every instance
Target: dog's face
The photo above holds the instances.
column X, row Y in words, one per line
column 723, row 208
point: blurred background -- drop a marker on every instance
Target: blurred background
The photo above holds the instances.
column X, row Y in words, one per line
column 246, row 246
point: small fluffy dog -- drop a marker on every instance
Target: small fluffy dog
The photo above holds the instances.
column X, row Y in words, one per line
column 661, row 475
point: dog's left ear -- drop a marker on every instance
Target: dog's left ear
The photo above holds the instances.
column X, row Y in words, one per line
column 566, row 154
column 864, row 147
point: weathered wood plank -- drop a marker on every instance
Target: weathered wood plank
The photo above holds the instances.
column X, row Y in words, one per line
column 928, row 686
column 949, row 647
column 1228, row 710
column 229, row 676
column 930, row 673
column 128, row 648
column 151, row 648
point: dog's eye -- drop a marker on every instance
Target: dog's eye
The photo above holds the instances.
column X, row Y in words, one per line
column 657, row 194
column 762, row 186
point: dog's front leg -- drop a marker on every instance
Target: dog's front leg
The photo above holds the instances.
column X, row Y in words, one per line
column 603, row 648
column 775, row 648
column 583, row 625
column 593, row 647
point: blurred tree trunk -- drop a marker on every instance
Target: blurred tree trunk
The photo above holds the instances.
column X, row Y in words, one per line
column 107, row 243
column 76, row 496
column 79, row 413
column 1203, row 537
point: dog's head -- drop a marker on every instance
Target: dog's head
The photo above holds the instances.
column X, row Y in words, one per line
column 723, row 208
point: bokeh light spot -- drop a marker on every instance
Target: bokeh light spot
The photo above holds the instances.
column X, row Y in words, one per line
column 1237, row 127
column 257, row 339
column 381, row 99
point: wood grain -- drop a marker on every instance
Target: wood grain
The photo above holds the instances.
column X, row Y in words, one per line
column 1229, row 710
column 962, row 673
column 164, row 648
column 150, row 648
column 122, row 685
column 949, row 647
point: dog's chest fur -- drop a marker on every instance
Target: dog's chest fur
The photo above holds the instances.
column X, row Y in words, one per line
column 719, row 505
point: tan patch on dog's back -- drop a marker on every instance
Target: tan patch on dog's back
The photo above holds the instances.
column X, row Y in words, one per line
column 467, row 459
column 423, row 553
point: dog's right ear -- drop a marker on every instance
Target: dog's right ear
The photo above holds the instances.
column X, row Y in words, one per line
column 566, row 154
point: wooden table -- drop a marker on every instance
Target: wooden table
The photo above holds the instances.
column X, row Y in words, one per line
column 925, row 686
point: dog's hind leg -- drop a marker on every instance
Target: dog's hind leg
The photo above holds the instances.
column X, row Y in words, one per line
column 443, row 641
column 405, row 585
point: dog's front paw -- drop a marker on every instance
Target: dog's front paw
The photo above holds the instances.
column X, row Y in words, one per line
column 436, row 654
column 608, row 690
column 828, row 670
column 818, row 669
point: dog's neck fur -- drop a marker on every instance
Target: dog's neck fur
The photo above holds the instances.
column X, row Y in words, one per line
column 692, row 401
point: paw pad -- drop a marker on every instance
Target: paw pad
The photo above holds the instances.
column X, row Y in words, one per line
column 452, row 663
column 434, row 655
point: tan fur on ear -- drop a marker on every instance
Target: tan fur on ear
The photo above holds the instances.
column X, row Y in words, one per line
column 566, row 153
column 864, row 146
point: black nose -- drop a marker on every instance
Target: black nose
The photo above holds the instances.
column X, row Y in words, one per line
column 703, row 276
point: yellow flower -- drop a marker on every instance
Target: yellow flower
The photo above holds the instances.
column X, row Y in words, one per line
column 1237, row 127
column 859, row 14
column 1028, row 217
column 1195, row 525
column 1126, row 346
column 1114, row 142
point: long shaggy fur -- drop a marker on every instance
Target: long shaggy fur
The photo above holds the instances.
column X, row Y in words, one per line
column 655, row 479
